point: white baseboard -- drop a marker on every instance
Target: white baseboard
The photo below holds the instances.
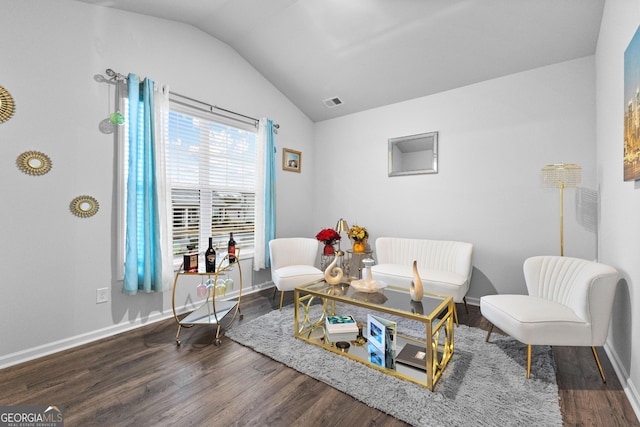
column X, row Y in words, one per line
column 629, row 388
column 67, row 343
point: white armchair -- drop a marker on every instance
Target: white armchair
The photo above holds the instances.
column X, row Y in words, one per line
column 293, row 263
column 569, row 303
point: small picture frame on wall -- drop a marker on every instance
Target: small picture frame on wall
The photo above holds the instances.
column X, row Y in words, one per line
column 291, row 160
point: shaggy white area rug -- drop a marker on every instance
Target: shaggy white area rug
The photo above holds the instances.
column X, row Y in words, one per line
column 484, row 384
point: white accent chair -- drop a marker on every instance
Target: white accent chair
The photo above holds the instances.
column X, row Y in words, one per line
column 569, row 303
column 444, row 267
column 293, row 263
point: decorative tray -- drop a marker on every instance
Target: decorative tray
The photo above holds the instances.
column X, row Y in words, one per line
column 368, row 285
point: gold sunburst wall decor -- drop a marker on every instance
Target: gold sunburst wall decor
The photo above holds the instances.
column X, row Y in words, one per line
column 84, row 206
column 34, row 163
column 7, row 106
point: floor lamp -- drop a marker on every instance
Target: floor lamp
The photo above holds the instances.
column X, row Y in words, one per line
column 561, row 176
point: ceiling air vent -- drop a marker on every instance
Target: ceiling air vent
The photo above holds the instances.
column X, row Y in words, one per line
column 332, row 102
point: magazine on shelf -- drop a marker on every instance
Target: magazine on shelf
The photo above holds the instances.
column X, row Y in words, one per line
column 341, row 324
column 381, row 333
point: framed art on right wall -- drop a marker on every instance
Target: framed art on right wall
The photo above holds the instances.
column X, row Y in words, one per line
column 631, row 155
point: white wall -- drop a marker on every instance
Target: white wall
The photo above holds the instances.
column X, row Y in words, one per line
column 52, row 262
column 494, row 139
column 619, row 223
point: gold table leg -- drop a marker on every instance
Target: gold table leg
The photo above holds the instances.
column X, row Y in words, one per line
column 304, row 303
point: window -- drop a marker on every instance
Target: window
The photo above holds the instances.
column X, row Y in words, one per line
column 211, row 176
column 211, row 171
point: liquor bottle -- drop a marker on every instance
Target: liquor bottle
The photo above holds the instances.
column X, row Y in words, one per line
column 210, row 257
column 231, row 249
column 191, row 260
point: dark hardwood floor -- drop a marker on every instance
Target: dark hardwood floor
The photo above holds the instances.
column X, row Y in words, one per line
column 141, row 378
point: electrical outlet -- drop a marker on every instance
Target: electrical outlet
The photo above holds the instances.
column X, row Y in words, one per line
column 102, row 295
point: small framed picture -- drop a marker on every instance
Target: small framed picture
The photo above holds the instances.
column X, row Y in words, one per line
column 291, row 160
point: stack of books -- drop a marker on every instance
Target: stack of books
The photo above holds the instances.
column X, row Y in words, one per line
column 341, row 328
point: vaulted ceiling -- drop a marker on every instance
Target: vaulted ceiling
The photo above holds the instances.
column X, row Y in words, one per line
column 370, row 53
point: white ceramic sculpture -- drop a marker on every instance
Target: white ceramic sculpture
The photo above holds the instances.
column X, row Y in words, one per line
column 416, row 285
column 367, row 284
column 333, row 274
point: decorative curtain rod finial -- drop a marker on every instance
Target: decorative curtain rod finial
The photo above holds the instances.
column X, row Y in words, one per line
column 113, row 75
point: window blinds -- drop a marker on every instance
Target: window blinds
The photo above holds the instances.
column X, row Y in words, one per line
column 211, row 168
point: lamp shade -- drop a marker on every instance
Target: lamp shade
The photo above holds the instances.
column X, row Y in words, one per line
column 342, row 226
column 562, row 175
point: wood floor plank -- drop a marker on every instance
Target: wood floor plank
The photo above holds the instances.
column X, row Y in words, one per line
column 141, row 378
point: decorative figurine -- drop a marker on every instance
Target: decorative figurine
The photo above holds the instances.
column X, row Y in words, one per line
column 333, row 275
column 416, row 285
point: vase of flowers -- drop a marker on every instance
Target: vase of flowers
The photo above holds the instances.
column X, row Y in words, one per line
column 329, row 237
column 359, row 235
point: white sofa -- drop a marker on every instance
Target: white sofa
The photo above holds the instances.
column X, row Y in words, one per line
column 444, row 266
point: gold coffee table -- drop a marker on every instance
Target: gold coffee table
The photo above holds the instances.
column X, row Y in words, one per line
column 435, row 312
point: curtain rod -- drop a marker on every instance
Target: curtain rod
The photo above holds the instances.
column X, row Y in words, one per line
column 117, row 76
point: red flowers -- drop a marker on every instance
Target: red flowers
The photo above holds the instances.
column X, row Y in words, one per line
column 328, row 235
